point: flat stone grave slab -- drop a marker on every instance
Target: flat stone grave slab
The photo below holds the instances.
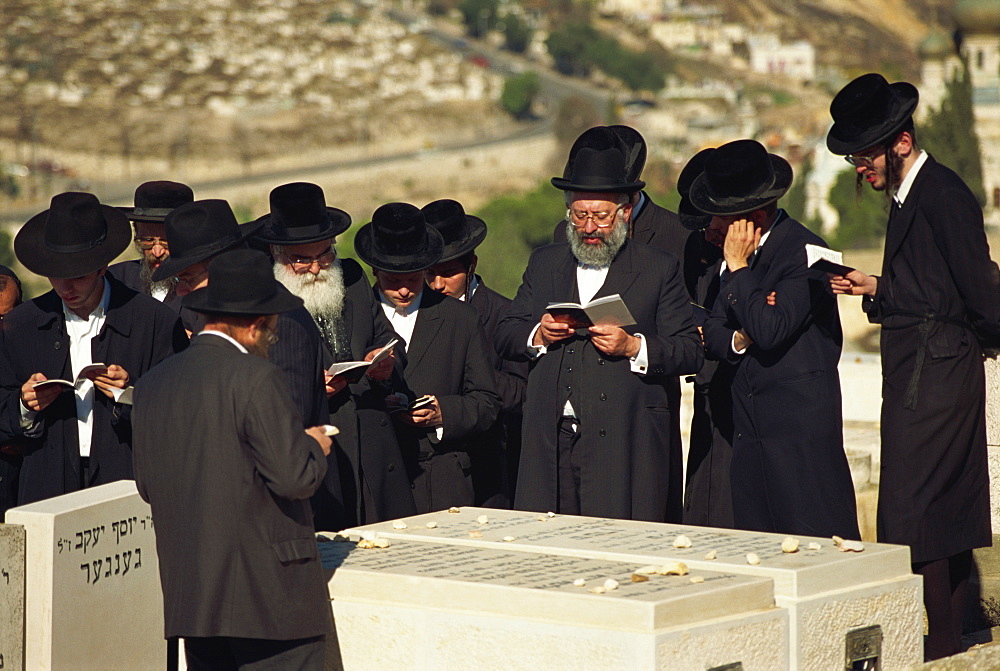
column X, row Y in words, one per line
column 828, row 593
column 420, row 605
column 92, row 584
column 11, row 597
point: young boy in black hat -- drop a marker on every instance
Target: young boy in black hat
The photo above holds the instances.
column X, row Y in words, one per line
column 937, row 293
column 789, row 473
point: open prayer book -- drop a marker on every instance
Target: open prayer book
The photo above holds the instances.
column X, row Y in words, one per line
column 355, row 370
column 827, row 260
column 86, row 373
column 607, row 311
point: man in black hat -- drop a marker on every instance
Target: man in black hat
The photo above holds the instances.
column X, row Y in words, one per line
column 938, row 292
column 228, row 471
column 200, row 231
column 78, row 436
column 494, row 468
column 153, row 202
column 446, row 366
column 789, row 472
column 599, row 420
column 301, row 231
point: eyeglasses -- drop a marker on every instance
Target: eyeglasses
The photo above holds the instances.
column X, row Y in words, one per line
column 148, row 242
column 600, row 219
column 866, row 160
column 324, row 260
column 193, row 278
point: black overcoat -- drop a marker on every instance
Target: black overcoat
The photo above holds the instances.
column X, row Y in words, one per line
column 934, row 485
column 138, row 333
column 366, row 451
column 228, row 471
column 789, row 470
column 447, row 358
column 626, row 419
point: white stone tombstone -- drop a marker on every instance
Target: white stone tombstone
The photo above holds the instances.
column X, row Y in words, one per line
column 993, row 438
column 11, row 597
column 828, row 593
column 92, row 585
column 425, row 605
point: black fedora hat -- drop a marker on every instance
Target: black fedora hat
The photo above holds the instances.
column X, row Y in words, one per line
column 155, row 200
column 691, row 217
column 462, row 232
column 740, row 177
column 241, row 282
column 199, row 230
column 299, row 215
column 398, row 240
column 74, row 237
column 625, row 138
column 600, row 171
column 869, row 111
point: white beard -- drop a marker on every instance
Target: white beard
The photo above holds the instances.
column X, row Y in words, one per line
column 323, row 294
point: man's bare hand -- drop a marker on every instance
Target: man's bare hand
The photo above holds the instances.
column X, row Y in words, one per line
column 550, row 331
column 333, row 384
column 854, row 283
column 318, row 433
column 427, row 416
column 613, row 341
column 383, row 369
column 39, row 399
column 742, row 240
column 741, row 340
column 772, row 298
column 115, row 377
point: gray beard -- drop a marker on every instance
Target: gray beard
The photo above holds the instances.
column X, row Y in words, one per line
column 323, row 294
column 600, row 255
column 149, row 286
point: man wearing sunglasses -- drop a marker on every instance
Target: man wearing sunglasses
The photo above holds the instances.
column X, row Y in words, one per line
column 938, row 301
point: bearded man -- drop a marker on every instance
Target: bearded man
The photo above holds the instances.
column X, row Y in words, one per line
column 597, row 415
column 372, row 485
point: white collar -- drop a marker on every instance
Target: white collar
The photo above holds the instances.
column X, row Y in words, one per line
column 224, row 336
column 904, row 188
column 408, row 310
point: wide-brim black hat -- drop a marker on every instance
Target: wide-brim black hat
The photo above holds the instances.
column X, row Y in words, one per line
column 242, row 282
column 625, row 138
column 740, row 177
column 299, row 215
column 691, row 217
column 598, row 171
column 76, row 236
column 398, row 240
column 462, row 232
column 155, row 200
column 869, row 111
column 198, row 231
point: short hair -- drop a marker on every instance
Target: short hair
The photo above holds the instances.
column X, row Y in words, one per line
column 6, row 277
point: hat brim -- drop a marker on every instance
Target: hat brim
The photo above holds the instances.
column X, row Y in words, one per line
column 568, row 185
column 459, row 248
column 691, row 217
column 282, row 301
column 390, row 263
column 30, row 249
column 175, row 264
column 338, row 223
column 144, row 217
column 841, row 141
column 705, row 204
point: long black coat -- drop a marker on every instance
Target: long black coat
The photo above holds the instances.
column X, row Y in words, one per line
column 661, row 229
column 494, row 470
column 221, row 457
column 138, row 333
column 626, row 419
column 789, row 471
column 934, row 486
column 366, row 452
column 448, row 358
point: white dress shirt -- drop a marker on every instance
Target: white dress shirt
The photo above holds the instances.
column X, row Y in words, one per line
column 907, row 183
column 403, row 320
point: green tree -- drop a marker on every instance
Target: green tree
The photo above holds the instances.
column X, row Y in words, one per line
column 863, row 214
column 519, row 93
column 950, row 134
column 479, row 16
column 516, row 33
column 569, row 45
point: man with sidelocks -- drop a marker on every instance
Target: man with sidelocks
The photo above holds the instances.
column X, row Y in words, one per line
column 938, row 301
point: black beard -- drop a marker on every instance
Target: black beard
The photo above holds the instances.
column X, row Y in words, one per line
column 148, row 285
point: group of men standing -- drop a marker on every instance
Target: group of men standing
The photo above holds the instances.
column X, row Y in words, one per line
column 444, row 393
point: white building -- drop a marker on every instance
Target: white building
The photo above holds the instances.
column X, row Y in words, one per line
column 769, row 56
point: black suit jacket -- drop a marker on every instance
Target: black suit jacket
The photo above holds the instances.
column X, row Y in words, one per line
column 138, row 333
column 625, row 418
column 789, row 470
column 221, row 457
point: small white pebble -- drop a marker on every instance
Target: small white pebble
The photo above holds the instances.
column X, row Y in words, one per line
column 381, row 542
column 790, row 545
column 550, row 514
column 711, row 554
column 475, row 534
column 365, row 544
column 368, row 535
column 610, row 584
column 814, row 546
column 597, row 590
column 697, row 579
column 508, row 539
column 399, row 524
column 453, row 509
column 646, row 570
column 852, row 546
column 579, row 582
column 431, row 525
column 752, row 559
column 673, row 568
column 483, row 519
column 838, row 541
column 682, row 541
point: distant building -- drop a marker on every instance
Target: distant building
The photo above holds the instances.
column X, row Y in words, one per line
column 769, row 56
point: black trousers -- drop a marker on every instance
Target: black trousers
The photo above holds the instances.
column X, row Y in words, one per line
column 568, row 471
column 225, row 653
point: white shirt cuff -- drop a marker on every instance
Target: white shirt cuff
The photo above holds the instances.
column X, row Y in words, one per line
column 28, row 417
column 732, row 345
column 640, row 362
column 533, row 350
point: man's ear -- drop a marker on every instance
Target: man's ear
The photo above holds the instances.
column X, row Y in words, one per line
column 903, row 145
